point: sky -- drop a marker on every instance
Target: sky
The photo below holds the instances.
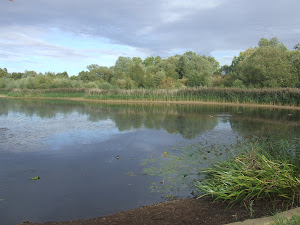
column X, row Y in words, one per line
column 68, row 35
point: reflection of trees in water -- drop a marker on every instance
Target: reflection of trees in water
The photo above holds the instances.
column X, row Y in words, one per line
column 271, row 123
column 186, row 120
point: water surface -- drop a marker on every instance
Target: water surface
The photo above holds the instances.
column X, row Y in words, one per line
column 73, row 146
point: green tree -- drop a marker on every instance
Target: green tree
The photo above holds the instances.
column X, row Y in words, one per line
column 136, row 72
column 87, row 76
column 197, row 69
column 148, row 61
column 215, row 65
column 29, row 74
column 101, row 72
column 3, row 73
column 137, row 60
column 272, row 42
column 62, row 75
column 171, row 67
column 268, row 67
column 294, row 59
column 122, row 64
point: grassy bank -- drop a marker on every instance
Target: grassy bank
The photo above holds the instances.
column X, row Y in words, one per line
column 261, row 173
column 281, row 97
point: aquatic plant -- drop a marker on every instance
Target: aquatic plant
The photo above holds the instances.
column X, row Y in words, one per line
column 255, row 173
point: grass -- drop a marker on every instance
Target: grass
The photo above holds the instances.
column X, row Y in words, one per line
column 261, row 172
column 281, row 96
column 278, row 220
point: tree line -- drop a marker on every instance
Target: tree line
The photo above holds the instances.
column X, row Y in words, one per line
column 271, row 64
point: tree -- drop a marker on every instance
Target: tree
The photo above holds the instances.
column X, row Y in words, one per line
column 62, row 75
column 148, row 61
column 294, row 59
column 3, row 72
column 122, row 64
column 268, row 67
column 137, row 60
column 272, row 43
column 136, row 73
column 197, row 69
column 29, row 74
column 215, row 64
column 100, row 72
column 87, row 76
column 171, row 67
column 297, row 46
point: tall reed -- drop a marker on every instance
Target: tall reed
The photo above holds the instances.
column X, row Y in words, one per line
column 282, row 96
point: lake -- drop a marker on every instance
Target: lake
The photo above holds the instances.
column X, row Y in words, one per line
column 73, row 148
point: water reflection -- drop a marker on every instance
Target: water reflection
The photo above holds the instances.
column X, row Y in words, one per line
column 187, row 120
column 73, row 146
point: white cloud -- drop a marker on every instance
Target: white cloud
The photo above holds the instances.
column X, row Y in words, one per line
column 75, row 30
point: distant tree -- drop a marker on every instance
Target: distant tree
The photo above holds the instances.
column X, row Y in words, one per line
column 268, row 67
column 62, row 75
column 100, row 72
column 3, row 72
column 171, row 67
column 92, row 67
column 29, row 74
column 149, row 61
column 158, row 78
column 215, row 64
column 137, row 60
column 197, row 69
column 157, row 60
column 294, row 59
column 272, row 42
column 16, row 76
column 87, row 76
column 122, row 64
column 297, row 46
column 50, row 74
column 136, row 72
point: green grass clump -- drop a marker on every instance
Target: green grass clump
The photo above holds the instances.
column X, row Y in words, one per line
column 252, row 175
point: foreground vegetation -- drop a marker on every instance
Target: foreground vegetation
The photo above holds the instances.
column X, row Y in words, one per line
column 283, row 96
column 263, row 172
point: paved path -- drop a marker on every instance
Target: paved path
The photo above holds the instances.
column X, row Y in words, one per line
column 268, row 220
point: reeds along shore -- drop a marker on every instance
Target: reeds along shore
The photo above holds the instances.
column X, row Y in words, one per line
column 267, row 96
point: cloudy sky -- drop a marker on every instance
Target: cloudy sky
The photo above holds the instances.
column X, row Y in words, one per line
column 68, row 35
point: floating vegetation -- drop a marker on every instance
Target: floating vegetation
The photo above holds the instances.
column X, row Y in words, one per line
column 180, row 168
column 34, row 178
column 130, row 174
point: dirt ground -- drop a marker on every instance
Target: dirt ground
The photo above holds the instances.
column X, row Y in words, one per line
column 182, row 211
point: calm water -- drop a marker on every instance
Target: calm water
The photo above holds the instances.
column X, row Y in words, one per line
column 73, row 148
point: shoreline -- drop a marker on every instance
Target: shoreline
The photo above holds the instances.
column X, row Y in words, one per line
column 248, row 105
column 178, row 212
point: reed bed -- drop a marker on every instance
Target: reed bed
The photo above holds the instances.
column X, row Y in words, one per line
column 281, row 96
